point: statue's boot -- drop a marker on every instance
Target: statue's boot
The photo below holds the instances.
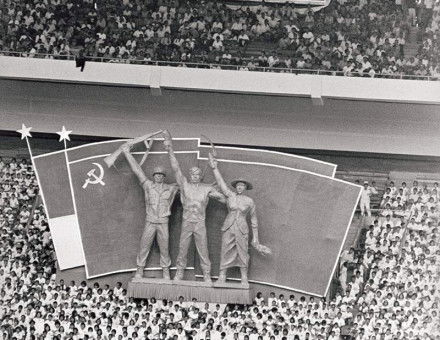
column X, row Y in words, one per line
column 139, row 273
column 244, row 276
column 207, row 277
column 222, row 276
column 179, row 274
column 166, row 273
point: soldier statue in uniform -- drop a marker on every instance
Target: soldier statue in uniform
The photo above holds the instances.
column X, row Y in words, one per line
column 159, row 197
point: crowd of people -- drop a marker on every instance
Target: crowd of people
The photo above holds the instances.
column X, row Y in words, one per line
column 398, row 267
column 430, row 46
column 389, row 284
column 355, row 37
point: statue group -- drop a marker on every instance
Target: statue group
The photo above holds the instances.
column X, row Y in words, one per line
column 194, row 196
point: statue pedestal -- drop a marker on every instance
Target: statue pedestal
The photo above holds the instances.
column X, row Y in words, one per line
column 228, row 292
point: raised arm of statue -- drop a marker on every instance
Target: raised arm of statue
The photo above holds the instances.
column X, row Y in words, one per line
column 214, row 193
column 174, row 190
column 135, row 167
column 180, row 178
column 218, row 177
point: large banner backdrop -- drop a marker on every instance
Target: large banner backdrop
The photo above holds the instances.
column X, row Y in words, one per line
column 96, row 214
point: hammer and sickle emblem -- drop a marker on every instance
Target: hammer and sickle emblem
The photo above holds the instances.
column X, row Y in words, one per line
column 93, row 178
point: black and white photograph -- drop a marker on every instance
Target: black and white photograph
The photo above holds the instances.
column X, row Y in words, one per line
column 219, row 169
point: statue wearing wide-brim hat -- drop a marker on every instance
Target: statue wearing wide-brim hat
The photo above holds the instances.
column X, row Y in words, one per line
column 235, row 229
column 241, row 180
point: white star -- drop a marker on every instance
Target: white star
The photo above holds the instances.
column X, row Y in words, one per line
column 64, row 134
column 25, row 131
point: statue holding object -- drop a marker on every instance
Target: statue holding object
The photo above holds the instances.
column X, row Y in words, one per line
column 235, row 237
column 159, row 197
column 111, row 159
column 194, row 196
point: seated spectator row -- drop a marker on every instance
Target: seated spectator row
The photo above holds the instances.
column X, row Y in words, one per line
column 398, row 268
column 354, row 37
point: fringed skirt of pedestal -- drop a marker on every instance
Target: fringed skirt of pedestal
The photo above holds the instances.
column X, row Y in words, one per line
column 204, row 292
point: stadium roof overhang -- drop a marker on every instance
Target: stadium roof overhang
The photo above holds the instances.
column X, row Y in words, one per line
column 231, row 118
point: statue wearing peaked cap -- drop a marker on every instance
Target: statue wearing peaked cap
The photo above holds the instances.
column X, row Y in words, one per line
column 159, row 197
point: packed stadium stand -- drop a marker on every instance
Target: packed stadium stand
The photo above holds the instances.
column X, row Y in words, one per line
column 385, row 38
column 388, row 282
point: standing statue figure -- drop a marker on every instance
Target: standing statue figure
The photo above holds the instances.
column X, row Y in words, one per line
column 235, row 238
column 194, row 196
column 159, row 197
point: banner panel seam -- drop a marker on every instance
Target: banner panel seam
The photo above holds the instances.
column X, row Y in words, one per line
column 270, row 151
column 343, row 242
column 133, row 153
column 132, row 270
column 104, row 142
column 75, row 210
column 286, row 168
column 268, row 284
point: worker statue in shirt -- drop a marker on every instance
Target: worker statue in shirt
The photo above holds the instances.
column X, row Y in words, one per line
column 194, row 196
column 235, row 230
column 159, row 197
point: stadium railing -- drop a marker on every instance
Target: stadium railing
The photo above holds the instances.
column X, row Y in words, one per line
column 195, row 64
